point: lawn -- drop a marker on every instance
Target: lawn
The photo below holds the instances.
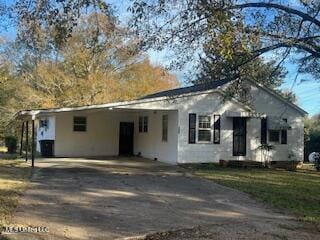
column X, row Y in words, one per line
column 298, row 192
column 14, row 176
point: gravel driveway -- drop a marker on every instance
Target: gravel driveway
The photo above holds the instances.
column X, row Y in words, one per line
column 128, row 198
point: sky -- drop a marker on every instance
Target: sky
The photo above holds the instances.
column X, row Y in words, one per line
column 307, row 92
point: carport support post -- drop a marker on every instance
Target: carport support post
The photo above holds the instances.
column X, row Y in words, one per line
column 21, row 139
column 33, row 143
column 27, row 139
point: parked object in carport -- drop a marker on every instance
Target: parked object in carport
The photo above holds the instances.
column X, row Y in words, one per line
column 315, row 158
column 46, row 148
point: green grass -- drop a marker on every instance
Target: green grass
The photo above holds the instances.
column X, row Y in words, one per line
column 298, row 192
column 14, row 176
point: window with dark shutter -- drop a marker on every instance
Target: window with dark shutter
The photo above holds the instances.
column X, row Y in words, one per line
column 284, row 134
column 192, row 127
column 263, row 131
column 204, row 130
column 79, row 124
column 216, row 129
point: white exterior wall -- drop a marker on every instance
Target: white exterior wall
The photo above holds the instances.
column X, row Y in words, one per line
column 212, row 103
column 46, row 133
column 100, row 139
column 201, row 104
column 102, row 135
column 265, row 103
column 150, row 144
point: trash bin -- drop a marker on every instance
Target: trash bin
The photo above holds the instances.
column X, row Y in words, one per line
column 46, row 148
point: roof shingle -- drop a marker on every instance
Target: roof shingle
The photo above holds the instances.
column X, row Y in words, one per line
column 184, row 90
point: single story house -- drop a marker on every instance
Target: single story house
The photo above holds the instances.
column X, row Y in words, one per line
column 193, row 124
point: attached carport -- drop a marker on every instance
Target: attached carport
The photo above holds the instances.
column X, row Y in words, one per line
column 109, row 128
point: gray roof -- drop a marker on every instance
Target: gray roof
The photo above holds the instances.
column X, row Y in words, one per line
column 184, row 90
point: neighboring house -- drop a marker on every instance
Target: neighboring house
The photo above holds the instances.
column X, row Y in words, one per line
column 186, row 125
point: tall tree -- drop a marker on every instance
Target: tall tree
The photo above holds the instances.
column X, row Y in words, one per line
column 185, row 26
column 93, row 68
column 66, row 56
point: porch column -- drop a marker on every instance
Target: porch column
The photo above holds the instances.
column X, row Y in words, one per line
column 27, row 139
column 21, row 139
column 33, row 144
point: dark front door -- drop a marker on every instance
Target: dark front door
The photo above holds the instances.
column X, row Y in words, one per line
column 239, row 136
column 126, row 138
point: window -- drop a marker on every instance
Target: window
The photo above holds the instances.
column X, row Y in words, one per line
column 216, row 131
column 79, row 124
column 204, row 131
column 263, row 131
column 274, row 135
column 43, row 123
column 140, row 124
column 145, row 124
column 192, row 128
column 164, row 128
column 284, row 134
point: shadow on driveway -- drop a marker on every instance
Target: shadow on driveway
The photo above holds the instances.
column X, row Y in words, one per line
column 125, row 197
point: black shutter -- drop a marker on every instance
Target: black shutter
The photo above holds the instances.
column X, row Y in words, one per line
column 216, row 129
column 192, row 127
column 263, row 131
column 284, row 134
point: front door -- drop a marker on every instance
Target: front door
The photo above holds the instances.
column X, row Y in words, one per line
column 239, row 136
column 126, row 138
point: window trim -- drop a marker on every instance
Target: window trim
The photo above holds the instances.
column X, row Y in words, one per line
column 204, row 129
column 165, row 122
column 80, row 124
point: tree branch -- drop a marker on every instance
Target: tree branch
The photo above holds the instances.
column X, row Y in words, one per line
column 289, row 10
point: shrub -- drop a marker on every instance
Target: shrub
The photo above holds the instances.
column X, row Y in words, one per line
column 11, row 144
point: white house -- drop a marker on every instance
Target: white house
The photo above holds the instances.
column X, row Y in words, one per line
column 186, row 125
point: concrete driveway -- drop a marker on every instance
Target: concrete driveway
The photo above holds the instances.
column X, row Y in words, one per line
column 128, row 197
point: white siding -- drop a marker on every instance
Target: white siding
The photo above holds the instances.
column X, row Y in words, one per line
column 102, row 135
column 266, row 103
column 150, row 144
column 100, row 139
column 213, row 103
